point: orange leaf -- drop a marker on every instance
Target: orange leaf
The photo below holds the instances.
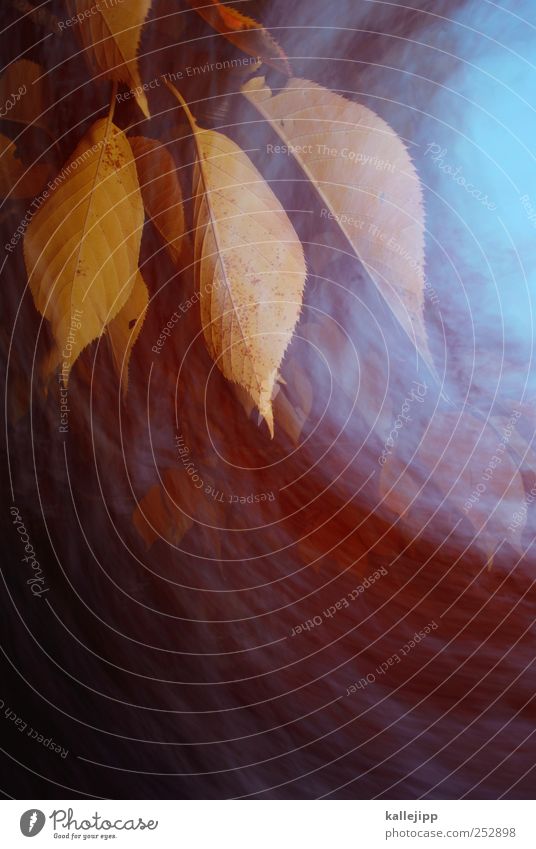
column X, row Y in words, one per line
column 245, row 33
column 161, row 191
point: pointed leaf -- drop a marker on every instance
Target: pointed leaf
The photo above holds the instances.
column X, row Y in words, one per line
column 245, row 33
column 367, row 182
column 125, row 328
column 161, row 191
column 82, row 246
column 250, row 266
column 111, row 36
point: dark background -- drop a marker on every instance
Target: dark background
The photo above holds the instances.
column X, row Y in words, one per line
column 169, row 672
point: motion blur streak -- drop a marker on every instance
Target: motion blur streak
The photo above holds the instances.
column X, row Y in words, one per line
column 224, row 666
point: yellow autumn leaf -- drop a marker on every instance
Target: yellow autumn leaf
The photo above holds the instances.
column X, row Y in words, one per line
column 367, row 182
column 249, row 263
column 291, row 405
column 161, row 191
column 22, row 95
column 17, row 181
column 125, row 328
column 111, row 37
column 82, row 246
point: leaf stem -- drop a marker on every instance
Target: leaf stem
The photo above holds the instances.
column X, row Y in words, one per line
column 182, row 102
column 113, row 102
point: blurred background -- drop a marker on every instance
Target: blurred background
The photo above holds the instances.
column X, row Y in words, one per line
column 169, row 655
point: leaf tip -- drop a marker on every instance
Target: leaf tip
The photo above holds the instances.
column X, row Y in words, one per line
column 141, row 100
column 269, row 419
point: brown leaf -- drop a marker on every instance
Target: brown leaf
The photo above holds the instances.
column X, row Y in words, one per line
column 171, row 508
column 250, row 266
column 82, row 246
column 111, row 36
column 159, row 515
column 364, row 175
column 161, row 191
column 17, row 181
column 291, row 404
column 38, row 14
column 245, row 33
column 125, row 328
